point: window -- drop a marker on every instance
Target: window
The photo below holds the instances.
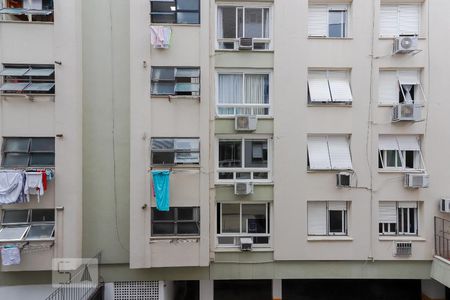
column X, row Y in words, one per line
column 176, row 11
column 175, row 81
column 170, row 151
column 27, row 10
column 400, row 86
column 243, row 94
column 401, row 19
column 176, row 221
column 27, row 79
column 237, row 220
column 327, row 218
column 28, row 152
column 328, row 21
column 27, row 225
column 244, row 159
column 399, row 153
column 329, row 152
column 397, row 218
column 235, row 22
column 329, row 87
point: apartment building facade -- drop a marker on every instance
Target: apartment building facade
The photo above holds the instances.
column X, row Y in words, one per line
column 305, row 143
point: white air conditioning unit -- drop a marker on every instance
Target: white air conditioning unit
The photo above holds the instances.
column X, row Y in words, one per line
column 402, row 248
column 243, row 188
column 245, row 43
column 420, row 180
column 444, row 205
column 343, row 179
column 405, row 44
column 245, row 123
column 246, row 244
column 406, row 112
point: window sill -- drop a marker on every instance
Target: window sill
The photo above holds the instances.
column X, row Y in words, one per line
column 28, row 96
column 328, row 171
column 233, row 117
column 243, row 51
column 27, row 22
column 174, row 237
column 391, row 238
column 394, row 37
column 269, row 183
column 236, row 249
column 332, row 238
column 331, row 104
column 175, row 97
column 51, row 240
column 383, row 171
column 328, row 38
column 175, row 24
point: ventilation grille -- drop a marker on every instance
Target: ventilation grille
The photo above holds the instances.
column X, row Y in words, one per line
column 139, row 290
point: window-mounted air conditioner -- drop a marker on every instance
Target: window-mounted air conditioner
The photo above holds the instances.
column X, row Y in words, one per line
column 243, row 188
column 245, row 43
column 444, row 205
column 245, row 123
column 246, row 244
column 413, row 180
column 406, row 112
column 405, row 44
column 343, row 179
column 402, row 248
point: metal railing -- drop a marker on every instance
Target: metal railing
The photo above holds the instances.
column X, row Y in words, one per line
column 442, row 237
column 81, row 285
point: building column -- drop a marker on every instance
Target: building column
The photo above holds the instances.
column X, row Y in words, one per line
column 277, row 292
column 206, row 289
column 432, row 290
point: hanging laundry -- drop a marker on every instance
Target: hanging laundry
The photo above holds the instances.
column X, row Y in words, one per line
column 161, row 186
column 44, row 179
column 11, row 187
column 160, row 36
column 10, row 255
column 50, row 174
column 34, row 185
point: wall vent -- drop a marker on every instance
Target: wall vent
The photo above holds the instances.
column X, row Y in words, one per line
column 138, row 290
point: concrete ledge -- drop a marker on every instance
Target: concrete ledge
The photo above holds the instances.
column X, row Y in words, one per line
column 440, row 270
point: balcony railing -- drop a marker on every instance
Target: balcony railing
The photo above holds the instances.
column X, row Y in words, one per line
column 442, row 237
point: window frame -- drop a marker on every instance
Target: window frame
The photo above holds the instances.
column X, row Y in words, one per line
column 153, row 82
column 175, row 13
column 345, row 219
column 344, row 19
column 399, row 231
column 328, row 77
column 243, row 105
column 338, row 7
column 243, row 169
column 418, row 90
column 30, row 15
column 29, row 153
column 419, row 162
column 398, row 30
column 327, row 137
column 28, row 225
column 28, row 81
column 176, row 221
column 175, row 151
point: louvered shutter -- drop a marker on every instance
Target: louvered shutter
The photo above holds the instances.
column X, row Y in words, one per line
column 389, row 23
column 340, row 86
column 387, row 142
column 388, row 89
column 318, row 153
column 318, row 86
column 337, row 205
column 317, row 218
column 387, row 212
column 318, row 20
column 408, row 142
column 339, row 153
column 409, row 18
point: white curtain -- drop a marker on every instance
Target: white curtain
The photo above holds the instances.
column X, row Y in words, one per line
column 266, row 23
column 230, row 91
column 220, row 22
column 256, row 91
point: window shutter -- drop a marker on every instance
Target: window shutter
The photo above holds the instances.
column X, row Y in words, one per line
column 408, row 142
column 337, row 205
column 340, row 86
column 318, row 20
column 409, row 76
column 387, row 142
column 407, row 204
column 318, row 86
column 389, row 24
column 317, row 218
column 409, row 18
column 388, row 89
column 340, row 153
column 387, row 212
column 318, row 153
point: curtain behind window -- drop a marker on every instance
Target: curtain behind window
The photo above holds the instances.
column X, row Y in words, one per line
column 257, row 91
column 230, row 91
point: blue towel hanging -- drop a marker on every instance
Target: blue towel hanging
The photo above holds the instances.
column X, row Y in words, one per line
column 161, row 185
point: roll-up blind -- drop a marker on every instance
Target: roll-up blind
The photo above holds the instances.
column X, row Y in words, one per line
column 389, row 23
column 387, row 212
column 317, row 218
column 337, row 205
column 318, row 153
column 407, row 204
column 409, row 18
column 408, row 142
column 339, row 153
column 388, row 89
column 387, row 142
column 318, row 20
column 340, row 86
column 318, row 86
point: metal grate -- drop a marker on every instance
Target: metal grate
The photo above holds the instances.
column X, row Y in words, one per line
column 403, row 248
column 140, row 290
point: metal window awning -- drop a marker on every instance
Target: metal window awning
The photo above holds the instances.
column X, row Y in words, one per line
column 14, row 71
column 40, row 72
column 39, row 87
column 15, row 87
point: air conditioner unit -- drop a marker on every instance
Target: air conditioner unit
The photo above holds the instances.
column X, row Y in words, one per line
column 405, row 44
column 444, row 205
column 243, row 188
column 245, row 123
column 343, row 179
column 245, row 43
column 413, row 180
column 402, row 248
column 246, row 244
column 406, row 112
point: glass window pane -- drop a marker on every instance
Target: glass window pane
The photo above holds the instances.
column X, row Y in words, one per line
column 337, row 23
column 163, row 158
column 260, row 175
column 42, row 215
column 16, row 144
column 253, row 23
column 163, row 228
column 163, row 215
column 163, row 74
column 162, row 144
column 266, row 23
column 186, row 213
column 188, row 18
column 226, row 240
column 261, row 240
column 230, row 218
column 42, row 159
column 187, row 158
column 40, row 72
column 228, row 22
column 256, row 154
column 14, row 86
column 230, row 154
column 230, row 88
column 225, row 175
column 163, row 18
column 336, row 221
column 187, row 72
column 188, row 5
column 13, row 71
column 39, row 232
column 412, row 220
column 162, row 6
column 13, row 233
column 188, row 228
column 40, row 87
column 254, row 218
column 240, row 23
column 163, row 88
column 15, row 216
column 42, row 145
column 15, row 160
column 257, row 88
column 187, row 87
column 243, row 175
column 391, row 158
column 409, row 159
